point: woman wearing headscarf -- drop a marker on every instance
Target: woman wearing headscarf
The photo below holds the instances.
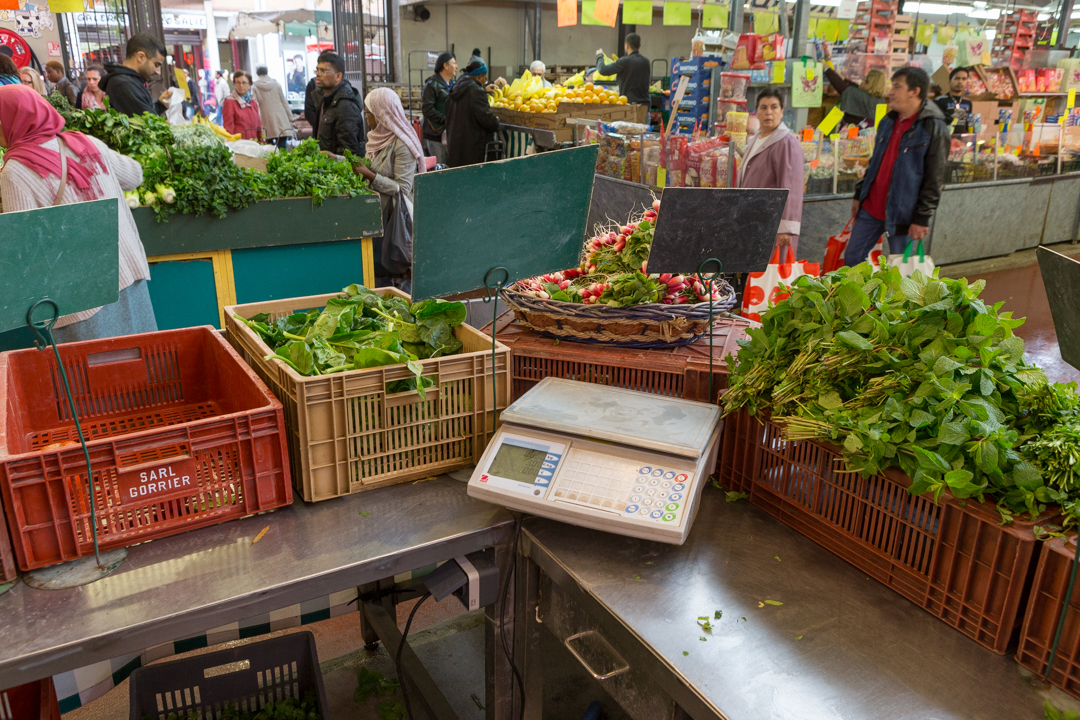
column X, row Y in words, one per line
column 240, row 113
column 396, row 156
column 32, row 133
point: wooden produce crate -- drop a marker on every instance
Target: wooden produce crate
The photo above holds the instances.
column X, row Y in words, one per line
column 556, row 121
column 346, row 434
column 1044, row 612
column 953, row 558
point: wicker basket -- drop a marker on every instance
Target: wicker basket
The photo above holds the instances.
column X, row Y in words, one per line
column 639, row 326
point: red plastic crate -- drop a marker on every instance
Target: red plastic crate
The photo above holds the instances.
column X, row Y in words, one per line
column 1043, row 613
column 8, row 573
column 954, row 558
column 182, row 434
column 32, row 701
column 681, row 372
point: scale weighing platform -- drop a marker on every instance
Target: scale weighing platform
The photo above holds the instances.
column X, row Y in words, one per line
column 606, row 458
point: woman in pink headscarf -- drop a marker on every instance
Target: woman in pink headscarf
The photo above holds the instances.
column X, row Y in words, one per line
column 32, row 133
column 394, row 150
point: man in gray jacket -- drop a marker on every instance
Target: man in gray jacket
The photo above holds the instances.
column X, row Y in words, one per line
column 274, row 111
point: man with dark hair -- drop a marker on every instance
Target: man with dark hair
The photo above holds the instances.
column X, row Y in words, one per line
column 470, row 123
column 340, row 120
column 296, row 78
column 633, row 71
column 956, row 107
column 433, row 105
column 313, row 98
column 126, row 84
column 902, row 186
column 54, row 71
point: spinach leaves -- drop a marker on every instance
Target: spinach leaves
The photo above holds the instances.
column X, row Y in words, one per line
column 362, row 329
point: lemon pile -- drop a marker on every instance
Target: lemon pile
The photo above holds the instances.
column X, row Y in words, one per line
column 528, row 94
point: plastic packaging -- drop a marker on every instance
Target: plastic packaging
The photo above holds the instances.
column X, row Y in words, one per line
column 736, row 122
column 733, row 85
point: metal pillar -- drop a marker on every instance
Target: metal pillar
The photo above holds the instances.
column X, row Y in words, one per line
column 800, row 33
column 735, row 18
column 1064, row 20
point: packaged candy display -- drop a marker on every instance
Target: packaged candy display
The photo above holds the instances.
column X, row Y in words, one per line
column 999, row 82
column 744, row 52
column 725, row 107
column 975, row 85
column 948, row 57
column 733, row 85
column 736, row 122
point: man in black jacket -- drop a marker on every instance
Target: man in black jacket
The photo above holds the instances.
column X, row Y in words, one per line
column 633, row 71
column 956, row 108
column 339, row 125
column 470, row 124
column 433, row 105
column 125, row 85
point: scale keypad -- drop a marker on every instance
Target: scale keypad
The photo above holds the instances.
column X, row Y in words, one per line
column 644, row 492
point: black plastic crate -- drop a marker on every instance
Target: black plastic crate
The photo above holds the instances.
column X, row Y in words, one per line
column 249, row 676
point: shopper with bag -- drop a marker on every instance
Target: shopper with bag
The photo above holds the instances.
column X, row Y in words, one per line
column 902, row 186
column 767, row 287
column 774, row 159
column 396, row 156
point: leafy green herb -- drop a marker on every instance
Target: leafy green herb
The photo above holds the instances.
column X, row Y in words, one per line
column 390, row 710
column 705, row 623
column 735, row 496
column 685, row 653
column 370, row 683
column 916, row 373
column 1052, row 713
column 718, row 614
column 365, row 513
column 362, row 329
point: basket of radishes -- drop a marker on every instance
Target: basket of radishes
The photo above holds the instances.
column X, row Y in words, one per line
column 612, row 299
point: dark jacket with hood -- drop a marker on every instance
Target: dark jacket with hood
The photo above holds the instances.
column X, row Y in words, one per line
column 127, row 91
column 470, row 123
column 634, row 73
column 433, row 105
column 919, row 172
column 341, row 121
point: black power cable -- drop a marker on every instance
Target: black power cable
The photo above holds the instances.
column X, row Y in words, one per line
column 502, row 618
column 400, row 647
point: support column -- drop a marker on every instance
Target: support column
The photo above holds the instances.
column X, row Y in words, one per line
column 735, row 19
column 211, row 38
column 1064, row 20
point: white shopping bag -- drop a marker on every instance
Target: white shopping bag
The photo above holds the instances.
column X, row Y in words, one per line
column 913, row 258
column 764, row 288
column 877, row 253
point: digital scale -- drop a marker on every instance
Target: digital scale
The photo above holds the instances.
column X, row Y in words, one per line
column 606, row 458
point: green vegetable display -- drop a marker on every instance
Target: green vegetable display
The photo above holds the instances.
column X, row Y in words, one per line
column 916, row 373
column 193, row 162
column 370, row 683
column 361, row 329
column 287, row 709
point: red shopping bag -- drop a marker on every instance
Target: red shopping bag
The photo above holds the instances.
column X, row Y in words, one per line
column 767, row 287
column 834, row 251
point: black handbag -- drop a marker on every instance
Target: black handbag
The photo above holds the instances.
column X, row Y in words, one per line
column 397, row 235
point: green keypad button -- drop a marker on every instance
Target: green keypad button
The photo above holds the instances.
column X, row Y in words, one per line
column 668, row 517
column 672, row 507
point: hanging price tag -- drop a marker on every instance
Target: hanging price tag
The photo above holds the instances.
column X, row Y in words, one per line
column 831, row 120
column 879, row 112
column 779, row 71
column 807, row 133
column 1071, row 100
column 661, row 177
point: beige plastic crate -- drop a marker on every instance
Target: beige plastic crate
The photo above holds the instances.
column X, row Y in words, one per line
column 347, row 435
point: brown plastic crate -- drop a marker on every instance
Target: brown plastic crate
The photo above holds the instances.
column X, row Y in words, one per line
column 954, row 558
column 681, row 372
column 181, row 435
column 347, row 434
column 1043, row 613
column 32, row 701
column 8, row 573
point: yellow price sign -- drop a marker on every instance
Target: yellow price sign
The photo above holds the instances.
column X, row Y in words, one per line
column 831, row 121
column 661, row 177
column 1071, row 102
column 879, row 112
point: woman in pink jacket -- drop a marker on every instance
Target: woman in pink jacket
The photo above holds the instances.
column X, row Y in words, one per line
column 774, row 159
column 240, row 113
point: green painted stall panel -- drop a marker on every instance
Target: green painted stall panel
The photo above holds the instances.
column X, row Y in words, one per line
column 276, row 273
column 267, row 223
column 183, row 293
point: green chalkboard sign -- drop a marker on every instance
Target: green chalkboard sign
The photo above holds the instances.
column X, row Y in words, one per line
column 68, row 253
column 526, row 214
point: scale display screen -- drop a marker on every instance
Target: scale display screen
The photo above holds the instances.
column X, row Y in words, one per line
column 514, row 462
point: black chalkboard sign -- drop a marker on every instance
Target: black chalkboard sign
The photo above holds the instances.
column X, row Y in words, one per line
column 734, row 225
column 1061, row 277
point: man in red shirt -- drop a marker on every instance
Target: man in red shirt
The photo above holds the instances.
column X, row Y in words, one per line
column 900, row 191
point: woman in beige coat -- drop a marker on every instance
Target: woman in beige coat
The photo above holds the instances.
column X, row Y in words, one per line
column 273, row 109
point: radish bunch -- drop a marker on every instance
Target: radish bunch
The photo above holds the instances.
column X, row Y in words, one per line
column 614, row 271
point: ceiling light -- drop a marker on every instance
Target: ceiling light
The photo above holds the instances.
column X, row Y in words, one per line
column 935, row 9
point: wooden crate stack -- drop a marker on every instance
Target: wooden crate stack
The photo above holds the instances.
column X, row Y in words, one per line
column 409, row 102
column 1015, row 38
column 877, row 20
column 902, row 32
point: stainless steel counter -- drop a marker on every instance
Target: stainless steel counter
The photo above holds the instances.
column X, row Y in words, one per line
column 180, row 586
column 840, row 646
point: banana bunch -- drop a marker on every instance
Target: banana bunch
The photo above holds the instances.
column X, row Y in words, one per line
column 227, row 136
